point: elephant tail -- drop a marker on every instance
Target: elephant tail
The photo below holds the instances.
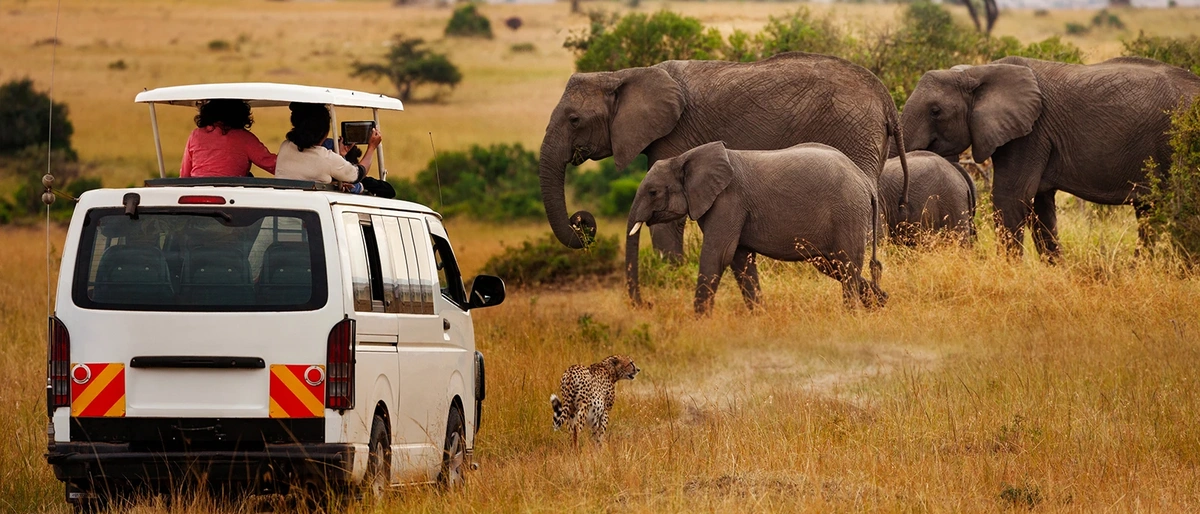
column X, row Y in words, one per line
column 876, row 267
column 894, row 128
column 971, row 199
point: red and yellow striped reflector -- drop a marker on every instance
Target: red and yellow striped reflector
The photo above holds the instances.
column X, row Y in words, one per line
column 293, row 393
column 98, row 390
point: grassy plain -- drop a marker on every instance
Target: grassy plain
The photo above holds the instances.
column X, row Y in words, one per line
column 986, row 384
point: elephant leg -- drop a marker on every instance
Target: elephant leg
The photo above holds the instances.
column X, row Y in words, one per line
column 745, row 271
column 1045, row 226
column 668, row 239
column 1015, row 180
column 715, row 256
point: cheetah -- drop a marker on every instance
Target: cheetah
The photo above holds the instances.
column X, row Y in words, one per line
column 588, row 392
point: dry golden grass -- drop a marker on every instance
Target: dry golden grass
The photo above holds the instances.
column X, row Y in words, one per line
column 985, row 384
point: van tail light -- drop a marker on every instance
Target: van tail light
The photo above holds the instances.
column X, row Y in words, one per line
column 339, row 366
column 58, row 367
column 201, row 199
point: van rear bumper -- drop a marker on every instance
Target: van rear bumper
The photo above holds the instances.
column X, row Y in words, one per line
column 82, row 463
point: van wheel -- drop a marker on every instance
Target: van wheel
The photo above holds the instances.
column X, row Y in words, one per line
column 454, row 456
column 379, row 462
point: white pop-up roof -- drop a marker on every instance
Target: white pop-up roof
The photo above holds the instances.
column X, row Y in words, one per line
column 266, row 94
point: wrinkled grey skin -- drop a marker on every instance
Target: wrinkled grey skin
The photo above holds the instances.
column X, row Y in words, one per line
column 941, row 193
column 1050, row 127
column 672, row 107
column 804, row 203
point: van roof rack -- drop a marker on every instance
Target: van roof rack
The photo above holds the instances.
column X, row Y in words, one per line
column 269, row 183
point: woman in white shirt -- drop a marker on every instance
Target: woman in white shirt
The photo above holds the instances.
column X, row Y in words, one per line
column 302, row 157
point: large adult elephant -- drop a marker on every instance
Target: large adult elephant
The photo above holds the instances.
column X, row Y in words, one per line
column 1050, row 127
column 674, row 106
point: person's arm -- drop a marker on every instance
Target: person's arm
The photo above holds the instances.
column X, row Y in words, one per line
column 372, row 146
column 340, row 169
column 259, row 155
column 185, row 167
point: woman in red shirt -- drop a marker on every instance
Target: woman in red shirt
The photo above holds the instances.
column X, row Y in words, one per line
column 222, row 145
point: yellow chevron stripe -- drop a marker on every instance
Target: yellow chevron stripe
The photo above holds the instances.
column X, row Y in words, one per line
column 315, row 406
column 117, row 410
column 277, row 411
column 94, row 388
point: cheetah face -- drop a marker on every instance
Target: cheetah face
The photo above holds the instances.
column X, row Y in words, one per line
column 623, row 367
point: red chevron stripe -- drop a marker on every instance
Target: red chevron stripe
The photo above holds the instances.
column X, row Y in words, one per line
column 107, row 397
column 78, row 389
column 287, row 399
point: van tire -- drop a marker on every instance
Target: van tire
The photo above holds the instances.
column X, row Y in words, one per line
column 379, row 461
column 454, row 454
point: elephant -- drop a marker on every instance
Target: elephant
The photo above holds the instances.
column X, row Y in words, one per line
column 809, row 202
column 942, row 195
column 674, row 106
column 1048, row 127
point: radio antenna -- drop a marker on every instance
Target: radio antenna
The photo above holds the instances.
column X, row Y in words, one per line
column 48, row 179
column 436, row 172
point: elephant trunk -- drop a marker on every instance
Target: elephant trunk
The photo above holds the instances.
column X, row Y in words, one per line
column 578, row 230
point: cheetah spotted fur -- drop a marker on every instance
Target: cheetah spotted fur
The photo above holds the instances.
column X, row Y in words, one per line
column 588, row 393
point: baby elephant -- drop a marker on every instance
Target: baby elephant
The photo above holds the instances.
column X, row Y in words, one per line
column 941, row 196
column 804, row 203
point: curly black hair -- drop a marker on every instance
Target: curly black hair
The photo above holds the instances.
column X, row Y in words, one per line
column 310, row 124
column 226, row 114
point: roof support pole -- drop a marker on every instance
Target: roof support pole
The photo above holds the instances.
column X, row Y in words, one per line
column 379, row 149
column 162, row 173
column 333, row 126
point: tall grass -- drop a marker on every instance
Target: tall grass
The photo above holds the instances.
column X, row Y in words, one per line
column 986, row 383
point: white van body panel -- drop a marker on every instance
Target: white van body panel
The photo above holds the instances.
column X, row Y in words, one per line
column 410, row 365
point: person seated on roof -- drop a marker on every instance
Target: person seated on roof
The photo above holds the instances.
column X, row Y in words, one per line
column 302, row 157
column 222, row 144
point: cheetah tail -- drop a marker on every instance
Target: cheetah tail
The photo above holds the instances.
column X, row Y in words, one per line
column 560, row 415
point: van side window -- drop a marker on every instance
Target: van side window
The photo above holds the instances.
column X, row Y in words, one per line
column 402, row 301
column 448, row 275
column 419, row 236
column 360, row 269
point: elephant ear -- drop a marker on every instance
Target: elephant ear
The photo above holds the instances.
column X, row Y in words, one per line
column 648, row 105
column 706, row 172
column 1007, row 102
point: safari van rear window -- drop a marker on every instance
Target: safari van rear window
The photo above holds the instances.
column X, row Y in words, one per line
column 200, row 259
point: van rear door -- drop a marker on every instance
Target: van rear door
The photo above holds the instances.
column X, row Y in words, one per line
column 200, row 312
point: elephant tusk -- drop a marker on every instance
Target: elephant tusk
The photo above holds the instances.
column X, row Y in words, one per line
column 636, row 227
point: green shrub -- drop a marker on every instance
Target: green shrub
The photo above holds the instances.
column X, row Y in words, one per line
column 637, row 40
column 522, row 48
column 620, row 196
column 25, row 120
column 801, row 31
column 545, row 261
column 467, row 22
column 1050, row 49
column 1174, row 197
column 219, row 45
column 499, row 182
column 1107, row 20
column 591, row 187
column 29, row 165
column 1182, row 52
column 409, row 64
column 1077, row 29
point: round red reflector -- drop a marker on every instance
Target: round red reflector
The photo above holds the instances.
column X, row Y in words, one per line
column 314, row 375
column 81, row 374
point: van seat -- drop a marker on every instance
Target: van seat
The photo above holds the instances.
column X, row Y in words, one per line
column 286, row 276
column 215, row 275
column 132, row 274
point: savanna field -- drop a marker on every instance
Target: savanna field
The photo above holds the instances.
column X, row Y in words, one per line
column 987, row 384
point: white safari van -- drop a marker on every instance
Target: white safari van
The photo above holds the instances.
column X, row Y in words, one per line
column 260, row 333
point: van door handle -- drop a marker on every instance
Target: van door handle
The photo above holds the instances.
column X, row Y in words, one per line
column 445, row 324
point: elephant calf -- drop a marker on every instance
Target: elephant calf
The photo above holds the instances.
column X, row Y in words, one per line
column 941, row 192
column 805, row 203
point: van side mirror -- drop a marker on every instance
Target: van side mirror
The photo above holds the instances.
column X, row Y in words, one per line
column 486, row 291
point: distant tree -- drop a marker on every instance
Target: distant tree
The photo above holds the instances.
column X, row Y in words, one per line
column 409, row 64
column 25, row 119
column 467, row 22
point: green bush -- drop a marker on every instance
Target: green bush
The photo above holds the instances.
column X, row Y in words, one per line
column 496, row 183
column 1107, row 20
column 219, row 45
column 1077, row 29
column 1182, row 52
column 409, row 64
column 620, row 195
column 29, row 165
column 545, row 261
column 25, row 120
column 467, row 22
column 522, row 48
column 592, row 187
column 1174, row 197
column 638, row 40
